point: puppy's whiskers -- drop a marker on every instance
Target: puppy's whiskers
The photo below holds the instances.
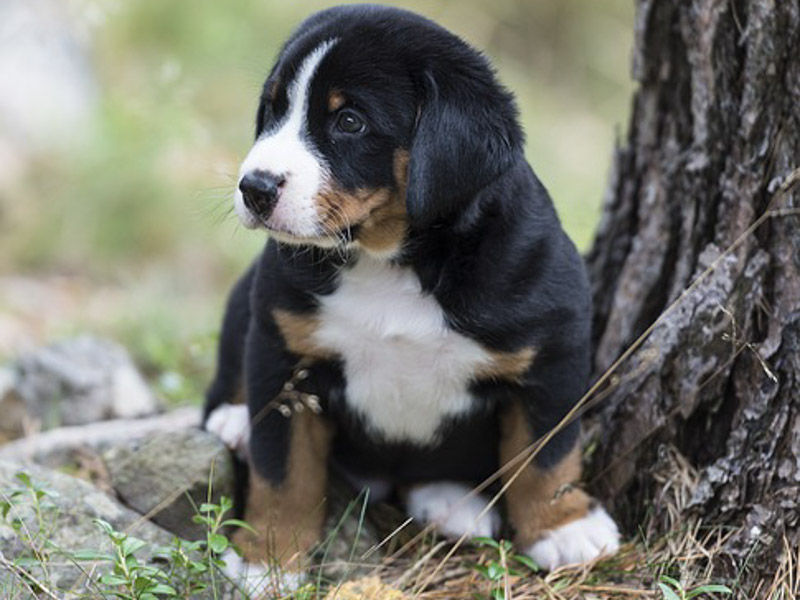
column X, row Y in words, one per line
column 336, row 224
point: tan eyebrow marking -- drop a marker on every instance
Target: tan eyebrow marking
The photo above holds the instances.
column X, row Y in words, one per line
column 335, row 100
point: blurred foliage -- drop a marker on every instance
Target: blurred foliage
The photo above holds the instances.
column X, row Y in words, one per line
column 144, row 191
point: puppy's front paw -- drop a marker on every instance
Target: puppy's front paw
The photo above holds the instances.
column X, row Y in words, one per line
column 231, row 424
column 578, row 541
column 454, row 514
column 256, row 581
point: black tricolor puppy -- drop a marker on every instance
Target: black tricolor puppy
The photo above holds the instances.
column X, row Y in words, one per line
column 418, row 316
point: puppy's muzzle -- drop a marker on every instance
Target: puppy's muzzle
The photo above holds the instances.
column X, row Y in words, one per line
column 260, row 192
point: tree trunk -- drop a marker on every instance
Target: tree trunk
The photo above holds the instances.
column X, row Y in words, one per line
column 701, row 422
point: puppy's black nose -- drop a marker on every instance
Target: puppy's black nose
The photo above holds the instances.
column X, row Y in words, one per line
column 260, row 191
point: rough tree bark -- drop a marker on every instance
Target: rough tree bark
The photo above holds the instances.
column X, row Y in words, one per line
column 702, row 422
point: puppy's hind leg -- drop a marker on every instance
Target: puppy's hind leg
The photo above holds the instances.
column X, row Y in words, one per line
column 285, row 503
column 556, row 524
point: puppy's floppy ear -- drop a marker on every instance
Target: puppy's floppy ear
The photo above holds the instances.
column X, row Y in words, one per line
column 466, row 136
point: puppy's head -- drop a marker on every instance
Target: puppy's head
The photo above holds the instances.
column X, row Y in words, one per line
column 373, row 122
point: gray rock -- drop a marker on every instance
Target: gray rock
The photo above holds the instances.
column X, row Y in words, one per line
column 77, row 381
column 59, row 448
column 166, row 474
column 70, row 507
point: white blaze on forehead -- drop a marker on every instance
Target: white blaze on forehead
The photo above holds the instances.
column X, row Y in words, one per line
column 282, row 151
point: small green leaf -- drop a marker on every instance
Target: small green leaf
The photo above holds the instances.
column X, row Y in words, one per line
column 667, row 592
column 131, row 562
column 162, row 588
column 91, row 555
column 27, row 562
column 131, row 545
column 238, row 523
column 205, row 508
column 104, row 525
column 117, row 536
column 24, row 478
column 109, row 579
column 201, row 520
column 528, row 562
column 195, row 546
column 709, row 589
column 217, row 562
column 482, row 570
column 495, row 571
column 218, row 543
column 198, row 567
column 486, row 541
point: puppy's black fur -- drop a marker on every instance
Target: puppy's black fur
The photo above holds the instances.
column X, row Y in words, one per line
column 483, row 239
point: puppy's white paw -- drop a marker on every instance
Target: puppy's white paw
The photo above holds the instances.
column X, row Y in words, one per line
column 231, row 424
column 446, row 505
column 579, row 541
column 256, row 580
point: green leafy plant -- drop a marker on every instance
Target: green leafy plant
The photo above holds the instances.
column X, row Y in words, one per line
column 132, row 569
column 188, row 567
column 503, row 565
column 671, row 589
column 32, row 564
column 213, row 517
column 129, row 578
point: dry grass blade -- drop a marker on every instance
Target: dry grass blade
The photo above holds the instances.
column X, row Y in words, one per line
column 27, row 579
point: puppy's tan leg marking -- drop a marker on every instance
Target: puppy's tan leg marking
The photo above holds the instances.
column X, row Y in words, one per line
column 288, row 518
column 538, row 499
column 556, row 524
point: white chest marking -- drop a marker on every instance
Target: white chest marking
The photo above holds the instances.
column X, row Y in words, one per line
column 405, row 369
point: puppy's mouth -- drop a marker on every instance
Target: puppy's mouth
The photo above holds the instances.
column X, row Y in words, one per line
column 322, row 234
column 288, row 222
column 325, row 239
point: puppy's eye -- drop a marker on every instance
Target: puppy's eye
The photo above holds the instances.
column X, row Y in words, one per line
column 349, row 122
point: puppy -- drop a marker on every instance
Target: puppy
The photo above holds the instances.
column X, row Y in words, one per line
column 418, row 317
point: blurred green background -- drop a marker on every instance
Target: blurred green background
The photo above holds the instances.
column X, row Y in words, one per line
column 116, row 220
